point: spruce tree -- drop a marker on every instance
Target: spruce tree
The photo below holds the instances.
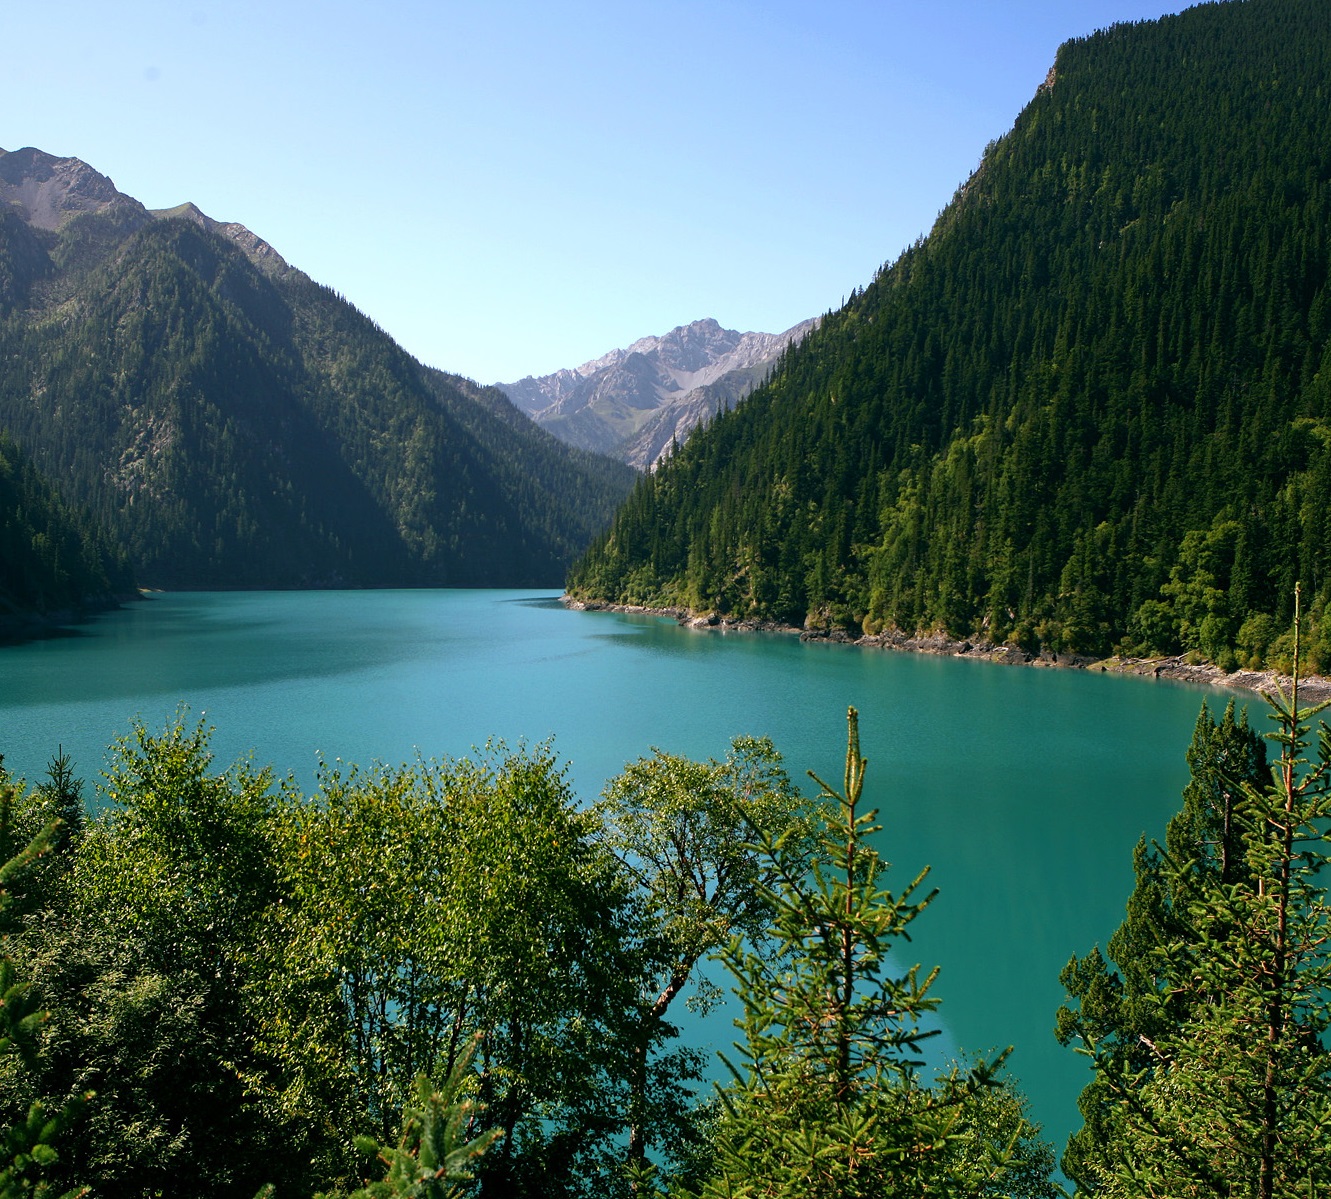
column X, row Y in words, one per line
column 1234, row 1098
column 834, row 1098
column 439, row 1140
column 1127, row 1002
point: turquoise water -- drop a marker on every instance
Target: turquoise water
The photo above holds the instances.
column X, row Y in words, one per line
column 1024, row 789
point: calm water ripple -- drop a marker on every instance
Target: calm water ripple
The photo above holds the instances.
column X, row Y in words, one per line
column 1025, row 789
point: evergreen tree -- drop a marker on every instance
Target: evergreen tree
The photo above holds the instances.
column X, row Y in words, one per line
column 233, row 424
column 1125, row 1004
column 439, row 1140
column 1233, row 1096
column 1089, row 411
column 53, row 559
column 834, row 1099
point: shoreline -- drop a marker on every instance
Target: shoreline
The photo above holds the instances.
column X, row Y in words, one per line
column 1176, row 668
column 21, row 627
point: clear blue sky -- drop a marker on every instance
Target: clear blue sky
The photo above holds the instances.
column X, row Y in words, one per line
column 512, row 186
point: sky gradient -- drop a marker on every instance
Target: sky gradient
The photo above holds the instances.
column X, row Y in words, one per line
column 515, row 186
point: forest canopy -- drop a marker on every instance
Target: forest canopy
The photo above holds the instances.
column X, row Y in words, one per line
column 1089, row 411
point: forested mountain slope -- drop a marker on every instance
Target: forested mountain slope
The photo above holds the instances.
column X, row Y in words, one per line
column 1090, row 409
column 53, row 560
column 236, row 424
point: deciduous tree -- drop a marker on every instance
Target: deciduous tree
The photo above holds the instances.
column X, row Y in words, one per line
column 683, row 832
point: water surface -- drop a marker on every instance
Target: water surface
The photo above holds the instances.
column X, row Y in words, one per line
column 1025, row 790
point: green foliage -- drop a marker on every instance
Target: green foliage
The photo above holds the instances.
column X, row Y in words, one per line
column 231, row 427
column 262, row 987
column 52, row 558
column 1219, row 1083
column 437, row 1145
column 26, row 1153
column 26, row 1150
column 147, row 951
column 833, row 1098
column 1125, row 1008
column 1090, row 409
column 682, row 831
column 437, row 903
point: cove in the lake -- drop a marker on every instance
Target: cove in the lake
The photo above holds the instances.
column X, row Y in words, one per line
column 1025, row 790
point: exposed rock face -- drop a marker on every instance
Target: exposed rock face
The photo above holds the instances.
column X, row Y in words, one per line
column 48, row 191
column 256, row 249
column 634, row 403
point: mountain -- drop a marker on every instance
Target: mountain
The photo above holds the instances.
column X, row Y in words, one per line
column 45, row 191
column 235, row 424
column 634, row 403
column 1090, row 411
column 255, row 248
column 56, row 563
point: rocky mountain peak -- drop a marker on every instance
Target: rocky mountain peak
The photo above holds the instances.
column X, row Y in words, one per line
column 696, row 346
column 47, row 191
column 633, row 403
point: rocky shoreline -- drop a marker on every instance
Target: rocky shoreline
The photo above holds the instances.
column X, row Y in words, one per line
column 1311, row 690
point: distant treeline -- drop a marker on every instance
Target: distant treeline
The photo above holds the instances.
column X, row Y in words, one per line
column 54, row 559
column 1091, row 411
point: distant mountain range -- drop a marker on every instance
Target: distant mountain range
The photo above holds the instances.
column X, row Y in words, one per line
column 635, row 403
column 227, row 422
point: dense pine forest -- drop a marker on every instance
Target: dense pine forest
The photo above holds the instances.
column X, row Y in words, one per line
column 231, row 423
column 55, row 560
column 1088, row 411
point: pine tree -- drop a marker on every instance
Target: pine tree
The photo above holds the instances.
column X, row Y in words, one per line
column 1236, row 1097
column 832, row 1100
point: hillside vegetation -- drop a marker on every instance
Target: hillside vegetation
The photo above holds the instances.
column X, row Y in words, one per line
column 1089, row 411
column 234, row 423
column 54, row 560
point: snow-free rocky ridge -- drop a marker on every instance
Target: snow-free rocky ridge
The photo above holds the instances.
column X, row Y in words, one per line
column 634, row 403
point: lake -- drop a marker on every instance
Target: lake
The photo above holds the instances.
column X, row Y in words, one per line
column 1025, row 789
